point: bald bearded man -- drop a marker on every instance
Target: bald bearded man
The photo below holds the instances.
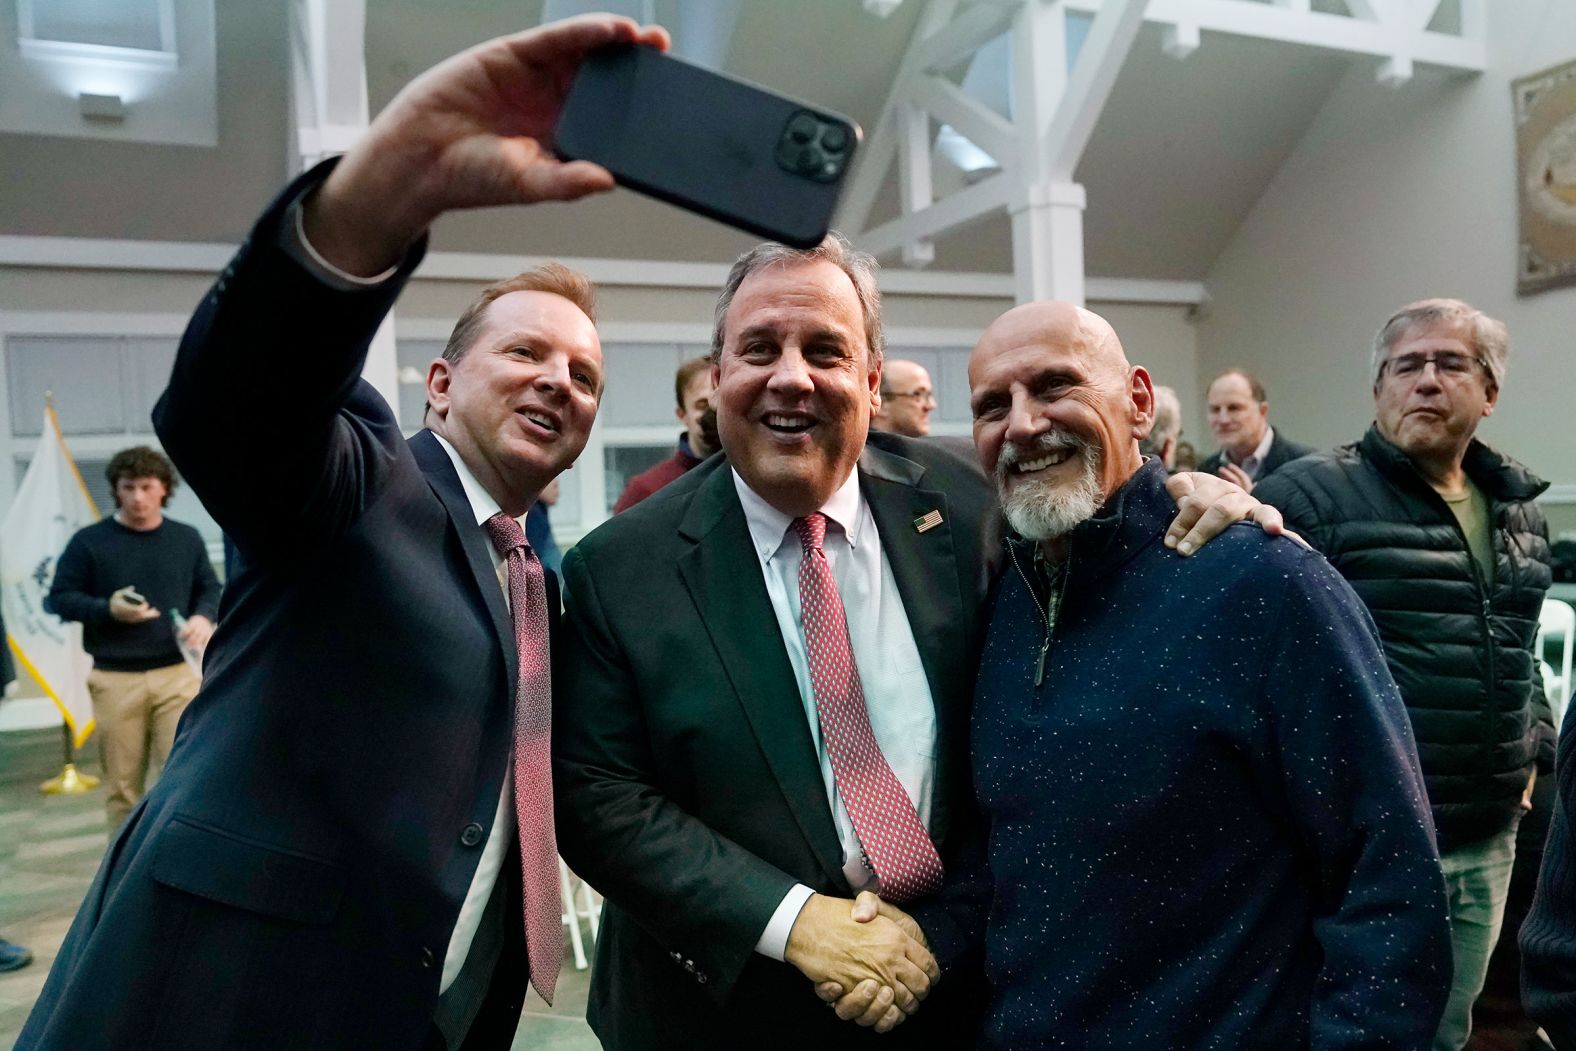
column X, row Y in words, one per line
column 1206, row 821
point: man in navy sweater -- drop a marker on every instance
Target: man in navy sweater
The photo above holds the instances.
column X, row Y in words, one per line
column 142, row 587
column 1206, row 825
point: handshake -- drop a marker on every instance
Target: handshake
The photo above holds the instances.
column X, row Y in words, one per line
column 870, row 963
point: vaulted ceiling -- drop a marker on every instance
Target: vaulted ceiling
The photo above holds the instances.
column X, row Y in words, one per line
column 1180, row 154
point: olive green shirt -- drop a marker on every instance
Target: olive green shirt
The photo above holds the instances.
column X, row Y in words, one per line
column 1472, row 511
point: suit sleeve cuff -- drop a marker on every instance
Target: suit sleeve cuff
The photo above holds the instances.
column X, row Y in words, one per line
column 293, row 242
column 774, row 939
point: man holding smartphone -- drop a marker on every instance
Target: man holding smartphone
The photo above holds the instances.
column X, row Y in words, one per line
column 125, row 578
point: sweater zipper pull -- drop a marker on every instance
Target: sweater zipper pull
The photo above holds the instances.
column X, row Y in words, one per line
column 1039, row 667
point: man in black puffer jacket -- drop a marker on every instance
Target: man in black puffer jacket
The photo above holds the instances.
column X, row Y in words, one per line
column 1438, row 535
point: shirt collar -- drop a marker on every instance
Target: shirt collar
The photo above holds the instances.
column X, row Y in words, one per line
column 769, row 526
column 483, row 506
column 1260, row 451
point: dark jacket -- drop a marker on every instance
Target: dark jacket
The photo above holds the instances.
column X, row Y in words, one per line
column 1207, row 824
column 1461, row 653
column 1282, row 452
column 1548, row 937
column 689, row 792
column 293, row 879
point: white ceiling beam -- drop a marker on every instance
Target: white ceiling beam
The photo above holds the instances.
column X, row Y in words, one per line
column 880, row 150
column 968, row 116
column 870, row 172
column 1297, row 24
column 976, row 26
column 1423, row 12
column 1100, row 59
column 973, row 202
column 1181, row 40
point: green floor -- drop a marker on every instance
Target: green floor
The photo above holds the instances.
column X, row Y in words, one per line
column 50, row 848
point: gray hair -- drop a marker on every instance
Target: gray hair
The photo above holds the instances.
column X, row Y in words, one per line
column 1168, row 421
column 1488, row 338
column 836, row 249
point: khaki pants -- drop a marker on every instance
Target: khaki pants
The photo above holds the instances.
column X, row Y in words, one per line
column 137, row 712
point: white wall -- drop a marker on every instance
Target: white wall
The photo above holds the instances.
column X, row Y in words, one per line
column 1393, row 196
column 153, row 306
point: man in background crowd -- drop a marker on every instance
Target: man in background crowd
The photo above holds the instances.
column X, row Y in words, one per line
column 1438, row 534
column 907, row 399
column 142, row 587
column 1161, row 441
column 692, row 387
column 1136, row 894
column 1239, row 418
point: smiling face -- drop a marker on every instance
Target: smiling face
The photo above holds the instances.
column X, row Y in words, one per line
column 795, row 383
column 1058, row 413
column 519, row 403
column 1236, row 418
column 1432, row 415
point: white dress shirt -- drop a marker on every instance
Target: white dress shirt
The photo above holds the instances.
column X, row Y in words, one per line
column 483, row 506
column 897, row 693
column 1254, row 461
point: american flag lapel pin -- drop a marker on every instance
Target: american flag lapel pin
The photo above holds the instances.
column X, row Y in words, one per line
column 927, row 521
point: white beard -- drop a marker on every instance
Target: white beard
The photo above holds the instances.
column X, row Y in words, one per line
column 1039, row 510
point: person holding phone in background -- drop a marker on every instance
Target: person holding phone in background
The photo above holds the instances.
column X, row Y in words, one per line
column 125, row 579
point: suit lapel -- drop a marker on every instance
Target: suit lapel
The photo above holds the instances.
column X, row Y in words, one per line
column 439, row 471
column 724, row 579
column 925, row 566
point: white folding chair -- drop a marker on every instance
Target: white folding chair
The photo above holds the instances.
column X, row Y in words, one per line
column 589, row 908
column 1557, row 619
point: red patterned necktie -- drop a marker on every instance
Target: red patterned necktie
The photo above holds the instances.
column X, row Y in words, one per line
column 533, row 774
column 897, row 847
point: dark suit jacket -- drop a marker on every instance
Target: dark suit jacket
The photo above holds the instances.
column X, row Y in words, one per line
column 293, row 879
column 1282, row 451
column 688, row 788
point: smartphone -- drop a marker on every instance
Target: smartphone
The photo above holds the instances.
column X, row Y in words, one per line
column 134, row 598
column 708, row 143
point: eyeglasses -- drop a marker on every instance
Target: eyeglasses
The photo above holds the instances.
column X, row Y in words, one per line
column 1447, row 364
column 922, row 395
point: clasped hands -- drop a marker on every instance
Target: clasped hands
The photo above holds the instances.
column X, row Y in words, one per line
column 868, row 958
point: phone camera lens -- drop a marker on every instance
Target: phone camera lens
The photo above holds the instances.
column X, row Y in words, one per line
column 802, row 128
column 834, row 139
column 809, row 159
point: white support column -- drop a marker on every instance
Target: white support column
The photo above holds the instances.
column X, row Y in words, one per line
column 913, row 173
column 1056, row 112
column 330, row 112
column 1048, row 244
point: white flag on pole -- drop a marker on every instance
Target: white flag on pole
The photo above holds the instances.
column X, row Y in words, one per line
column 51, row 504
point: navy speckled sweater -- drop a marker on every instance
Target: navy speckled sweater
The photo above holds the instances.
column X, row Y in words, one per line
column 1207, row 828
